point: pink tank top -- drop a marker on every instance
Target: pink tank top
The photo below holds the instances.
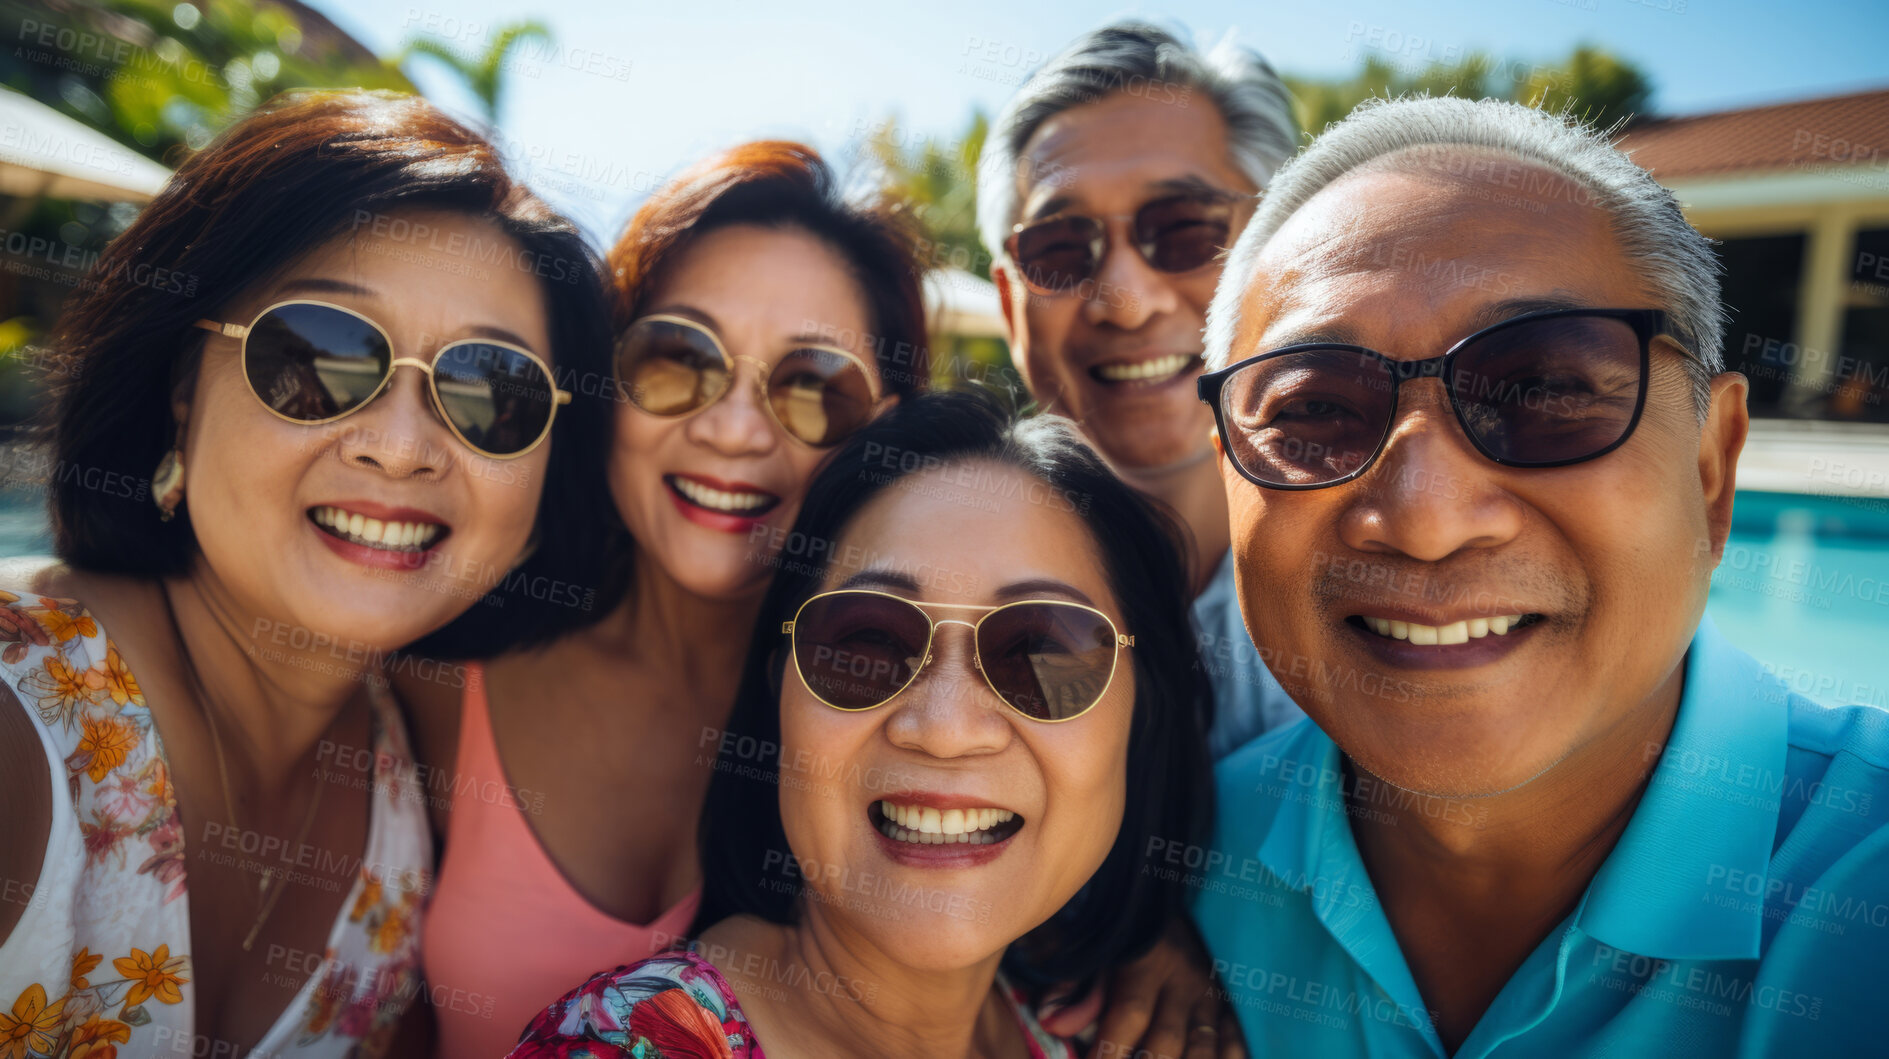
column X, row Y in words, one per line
column 506, row 933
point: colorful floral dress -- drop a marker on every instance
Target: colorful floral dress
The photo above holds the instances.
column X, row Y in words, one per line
column 678, row 1006
column 99, row 963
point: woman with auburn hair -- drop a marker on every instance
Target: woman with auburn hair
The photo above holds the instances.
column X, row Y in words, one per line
column 312, row 395
column 761, row 320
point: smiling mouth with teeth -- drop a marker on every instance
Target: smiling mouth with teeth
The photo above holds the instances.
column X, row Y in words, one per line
column 924, row 825
column 1155, row 369
column 1444, row 635
column 722, row 501
column 386, row 536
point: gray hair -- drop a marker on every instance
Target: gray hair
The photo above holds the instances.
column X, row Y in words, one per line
column 1135, row 56
column 1670, row 254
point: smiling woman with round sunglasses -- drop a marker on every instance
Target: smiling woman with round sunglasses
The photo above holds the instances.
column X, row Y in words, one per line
column 946, row 767
column 761, row 321
column 212, row 803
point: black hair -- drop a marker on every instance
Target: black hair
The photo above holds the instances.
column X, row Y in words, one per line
column 1120, row 911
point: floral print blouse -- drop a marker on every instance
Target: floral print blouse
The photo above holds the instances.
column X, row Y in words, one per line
column 99, row 963
column 678, row 1006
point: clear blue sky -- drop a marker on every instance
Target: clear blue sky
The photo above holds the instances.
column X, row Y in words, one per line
column 634, row 90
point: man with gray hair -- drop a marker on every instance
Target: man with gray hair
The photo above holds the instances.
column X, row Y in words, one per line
column 1108, row 189
column 1480, row 452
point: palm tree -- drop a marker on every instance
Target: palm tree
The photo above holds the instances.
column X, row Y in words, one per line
column 484, row 74
column 937, row 178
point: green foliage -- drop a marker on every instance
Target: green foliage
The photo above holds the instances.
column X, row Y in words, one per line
column 1592, row 84
column 156, row 74
column 938, row 178
column 483, row 73
column 1598, row 88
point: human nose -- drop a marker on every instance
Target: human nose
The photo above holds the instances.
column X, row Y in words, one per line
column 1430, row 493
column 737, row 424
column 399, row 432
column 950, row 711
column 1128, row 292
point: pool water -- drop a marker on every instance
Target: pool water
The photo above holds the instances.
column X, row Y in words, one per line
column 1803, row 586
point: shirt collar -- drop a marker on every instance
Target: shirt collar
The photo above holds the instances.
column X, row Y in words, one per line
column 1709, row 810
column 1309, row 846
column 1668, row 889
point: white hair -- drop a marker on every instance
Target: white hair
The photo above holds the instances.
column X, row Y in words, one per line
column 1670, row 255
column 1135, row 56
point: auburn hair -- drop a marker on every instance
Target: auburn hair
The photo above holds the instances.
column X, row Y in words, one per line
column 781, row 184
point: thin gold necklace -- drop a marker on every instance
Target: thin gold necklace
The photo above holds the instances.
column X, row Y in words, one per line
column 269, row 887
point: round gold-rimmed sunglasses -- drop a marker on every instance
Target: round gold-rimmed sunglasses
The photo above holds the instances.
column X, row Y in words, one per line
column 671, row 366
column 1049, row 659
column 313, row 362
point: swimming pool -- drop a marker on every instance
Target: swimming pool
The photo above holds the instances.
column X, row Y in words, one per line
column 1803, row 586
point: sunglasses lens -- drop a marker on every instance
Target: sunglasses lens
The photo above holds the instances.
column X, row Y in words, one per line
column 669, row 368
column 1051, row 661
column 1307, row 418
column 1057, row 255
column 499, row 399
column 819, row 395
column 313, row 362
column 855, row 650
column 1182, row 233
column 1553, row 390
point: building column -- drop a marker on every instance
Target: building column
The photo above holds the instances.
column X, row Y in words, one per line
column 1828, row 249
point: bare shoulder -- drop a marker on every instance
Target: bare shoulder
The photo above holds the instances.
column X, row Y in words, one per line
column 50, row 578
column 106, row 596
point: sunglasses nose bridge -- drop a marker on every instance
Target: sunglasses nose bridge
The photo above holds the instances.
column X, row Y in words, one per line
column 761, row 369
column 1410, row 370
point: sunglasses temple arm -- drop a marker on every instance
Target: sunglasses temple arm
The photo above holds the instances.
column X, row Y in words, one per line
column 226, row 330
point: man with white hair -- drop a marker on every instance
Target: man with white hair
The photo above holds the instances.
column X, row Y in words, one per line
column 1479, row 451
column 1108, row 189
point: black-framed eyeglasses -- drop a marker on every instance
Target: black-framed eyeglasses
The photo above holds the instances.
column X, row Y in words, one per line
column 1545, row 389
column 1174, row 233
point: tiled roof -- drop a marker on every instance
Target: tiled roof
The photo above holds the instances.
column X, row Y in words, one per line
column 1836, row 131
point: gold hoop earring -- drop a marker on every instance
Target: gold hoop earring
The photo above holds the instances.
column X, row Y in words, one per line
column 167, row 483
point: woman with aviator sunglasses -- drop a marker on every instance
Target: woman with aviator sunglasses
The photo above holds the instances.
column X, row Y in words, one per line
column 340, row 437
column 761, row 320
column 959, row 732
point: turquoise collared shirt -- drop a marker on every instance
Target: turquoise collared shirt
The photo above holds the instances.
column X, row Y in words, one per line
column 1248, row 701
column 1744, row 911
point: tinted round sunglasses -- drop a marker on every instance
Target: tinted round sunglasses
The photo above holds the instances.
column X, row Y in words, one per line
column 1545, row 389
column 1050, row 660
column 312, row 362
column 671, row 366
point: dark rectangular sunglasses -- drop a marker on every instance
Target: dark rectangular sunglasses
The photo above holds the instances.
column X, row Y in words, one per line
column 1544, row 389
column 312, row 362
